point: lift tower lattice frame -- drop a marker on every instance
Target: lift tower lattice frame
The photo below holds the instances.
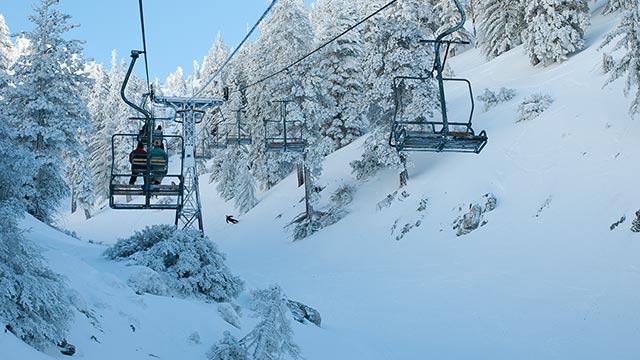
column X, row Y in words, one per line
column 191, row 111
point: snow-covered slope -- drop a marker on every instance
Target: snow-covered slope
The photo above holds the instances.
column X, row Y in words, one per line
column 544, row 278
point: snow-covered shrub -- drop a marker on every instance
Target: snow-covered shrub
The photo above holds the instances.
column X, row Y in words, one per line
column 492, row 99
column 34, row 301
column 229, row 314
column 147, row 281
column 533, row 105
column 189, row 263
column 343, row 195
column 272, row 338
column 229, row 348
column 473, row 219
column 317, row 221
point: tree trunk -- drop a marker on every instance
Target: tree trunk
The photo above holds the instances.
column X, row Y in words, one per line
column 87, row 214
column 74, row 203
column 404, row 174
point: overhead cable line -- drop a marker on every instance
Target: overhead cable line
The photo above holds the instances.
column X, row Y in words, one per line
column 144, row 47
column 255, row 26
column 286, row 68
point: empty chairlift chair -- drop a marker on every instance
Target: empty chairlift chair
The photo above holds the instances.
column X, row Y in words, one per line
column 420, row 134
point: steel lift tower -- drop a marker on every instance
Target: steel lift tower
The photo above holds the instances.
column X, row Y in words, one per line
column 190, row 111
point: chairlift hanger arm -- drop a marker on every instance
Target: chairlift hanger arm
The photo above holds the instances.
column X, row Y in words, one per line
column 134, row 56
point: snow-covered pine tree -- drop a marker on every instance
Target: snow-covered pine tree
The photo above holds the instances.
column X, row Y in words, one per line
column 555, row 29
column 6, row 47
column 245, row 190
column 449, row 17
column 33, row 300
column 615, row 5
column 216, row 56
column 272, row 338
column 627, row 36
column 46, row 105
column 175, row 85
column 393, row 48
column 334, row 83
column 80, row 181
column 229, row 348
column 284, row 38
column 228, row 175
column 501, row 24
column 109, row 116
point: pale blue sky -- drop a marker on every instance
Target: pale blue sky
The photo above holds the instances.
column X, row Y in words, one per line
column 178, row 31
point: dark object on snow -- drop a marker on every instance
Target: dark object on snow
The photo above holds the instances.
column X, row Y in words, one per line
column 617, row 223
column 230, row 219
column 635, row 224
column 66, row 348
column 302, row 312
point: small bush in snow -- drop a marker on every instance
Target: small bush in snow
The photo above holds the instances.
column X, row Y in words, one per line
column 635, row 224
column 229, row 314
column 532, row 106
column 318, row 220
column 492, row 99
column 229, row 348
column 147, row 281
column 343, row 195
column 189, row 263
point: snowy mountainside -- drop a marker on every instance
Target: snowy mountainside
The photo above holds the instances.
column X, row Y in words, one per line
column 544, row 278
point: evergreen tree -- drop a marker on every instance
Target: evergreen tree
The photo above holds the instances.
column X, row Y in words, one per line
column 245, row 191
column 33, row 301
column 335, row 80
column 46, row 105
column 218, row 53
column 284, row 38
column 272, row 338
column 501, row 24
column 449, row 17
column 393, row 49
column 555, row 29
column 615, row 5
column 627, row 36
column 6, row 47
column 80, row 182
column 175, row 85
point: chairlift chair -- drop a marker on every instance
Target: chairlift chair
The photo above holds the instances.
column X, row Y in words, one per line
column 284, row 135
column 435, row 136
column 122, row 195
column 239, row 133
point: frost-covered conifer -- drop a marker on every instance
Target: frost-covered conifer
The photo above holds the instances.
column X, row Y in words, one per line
column 393, row 48
column 555, row 29
column 175, row 85
column 245, row 192
column 284, row 38
column 627, row 36
column 216, row 56
column 229, row 348
column 615, row 5
column 80, row 182
column 272, row 338
column 501, row 23
column 34, row 301
column 46, row 105
column 334, row 82
column 6, row 47
column 449, row 17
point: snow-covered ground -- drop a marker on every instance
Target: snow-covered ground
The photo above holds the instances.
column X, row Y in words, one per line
column 544, row 278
